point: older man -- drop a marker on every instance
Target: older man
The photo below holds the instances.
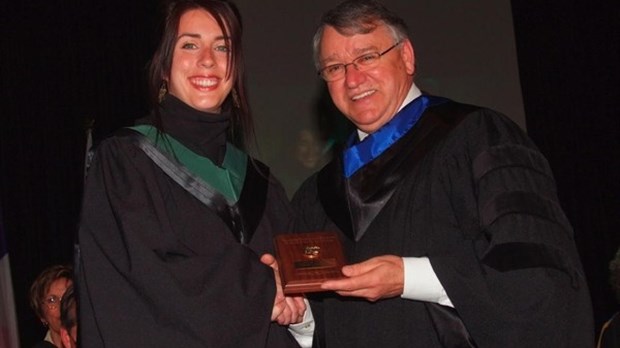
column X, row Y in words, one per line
column 448, row 212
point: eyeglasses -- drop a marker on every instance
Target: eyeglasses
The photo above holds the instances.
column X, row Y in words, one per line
column 52, row 302
column 367, row 61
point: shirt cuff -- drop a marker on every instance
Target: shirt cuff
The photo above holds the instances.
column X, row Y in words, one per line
column 421, row 282
column 304, row 331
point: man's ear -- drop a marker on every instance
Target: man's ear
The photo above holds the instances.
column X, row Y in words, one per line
column 408, row 56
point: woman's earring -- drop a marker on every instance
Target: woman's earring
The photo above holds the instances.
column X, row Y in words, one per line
column 235, row 97
column 163, row 90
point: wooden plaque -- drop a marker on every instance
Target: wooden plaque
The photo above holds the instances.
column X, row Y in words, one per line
column 308, row 259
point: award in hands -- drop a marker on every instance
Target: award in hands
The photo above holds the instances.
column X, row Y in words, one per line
column 306, row 260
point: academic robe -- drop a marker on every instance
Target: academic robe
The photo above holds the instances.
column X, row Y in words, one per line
column 158, row 267
column 466, row 188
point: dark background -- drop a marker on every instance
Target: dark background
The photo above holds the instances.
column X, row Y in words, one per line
column 64, row 63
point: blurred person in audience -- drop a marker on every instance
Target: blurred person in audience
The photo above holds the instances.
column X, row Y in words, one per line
column 45, row 297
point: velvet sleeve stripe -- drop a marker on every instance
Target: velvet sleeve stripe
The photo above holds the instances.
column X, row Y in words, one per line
column 519, row 255
column 522, row 202
column 512, row 155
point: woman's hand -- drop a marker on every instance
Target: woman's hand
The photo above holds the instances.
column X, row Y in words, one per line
column 286, row 309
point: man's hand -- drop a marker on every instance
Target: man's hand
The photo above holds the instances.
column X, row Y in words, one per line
column 286, row 309
column 374, row 279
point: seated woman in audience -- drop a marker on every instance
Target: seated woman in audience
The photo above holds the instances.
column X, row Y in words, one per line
column 45, row 295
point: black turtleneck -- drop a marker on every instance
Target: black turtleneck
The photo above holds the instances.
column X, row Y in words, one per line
column 204, row 133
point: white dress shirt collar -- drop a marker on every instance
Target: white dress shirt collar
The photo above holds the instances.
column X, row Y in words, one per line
column 414, row 92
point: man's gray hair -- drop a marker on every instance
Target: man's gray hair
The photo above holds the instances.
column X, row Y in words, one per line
column 358, row 17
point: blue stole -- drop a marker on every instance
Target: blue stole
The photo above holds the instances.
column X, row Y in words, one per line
column 358, row 155
column 377, row 165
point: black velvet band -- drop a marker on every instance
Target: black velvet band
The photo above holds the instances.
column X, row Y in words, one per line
column 520, row 255
column 521, row 202
column 504, row 156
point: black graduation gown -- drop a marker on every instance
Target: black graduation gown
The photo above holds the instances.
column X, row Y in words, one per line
column 159, row 268
column 481, row 204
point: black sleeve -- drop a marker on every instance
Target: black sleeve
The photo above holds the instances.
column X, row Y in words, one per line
column 517, row 275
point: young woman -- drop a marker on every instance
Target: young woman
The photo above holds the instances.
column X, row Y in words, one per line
column 175, row 214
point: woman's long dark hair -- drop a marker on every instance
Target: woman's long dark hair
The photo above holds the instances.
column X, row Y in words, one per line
column 241, row 132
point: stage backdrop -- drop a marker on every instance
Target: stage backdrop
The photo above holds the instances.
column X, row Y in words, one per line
column 465, row 50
